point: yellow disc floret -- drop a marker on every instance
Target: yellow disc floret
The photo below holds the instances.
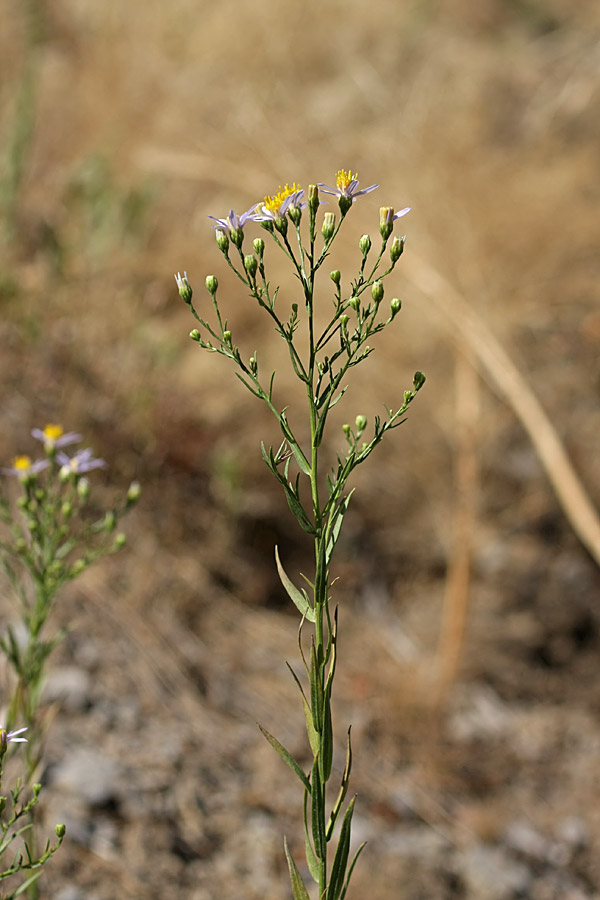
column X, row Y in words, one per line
column 52, row 432
column 343, row 179
column 273, row 204
column 22, row 463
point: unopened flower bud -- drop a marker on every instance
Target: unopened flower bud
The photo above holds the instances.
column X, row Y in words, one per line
column 336, row 276
column 120, row 540
column 397, row 248
column 77, row 567
column 110, row 521
column 395, row 306
column 184, row 287
column 259, row 247
column 328, row 226
column 211, row 284
column 66, row 509
column 354, row 302
column 250, row 265
column 83, row 488
column 295, row 214
column 386, row 221
column 60, row 830
column 252, row 362
column 365, row 244
column 361, row 424
column 227, row 338
column 343, row 320
column 133, row 493
column 222, row 241
column 195, row 335
column 377, row 291
column 346, row 429
column 313, row 197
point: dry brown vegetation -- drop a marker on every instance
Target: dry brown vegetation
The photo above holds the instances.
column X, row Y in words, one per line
column 468, row 575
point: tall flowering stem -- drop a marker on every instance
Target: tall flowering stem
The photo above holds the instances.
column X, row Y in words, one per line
column 321, row 358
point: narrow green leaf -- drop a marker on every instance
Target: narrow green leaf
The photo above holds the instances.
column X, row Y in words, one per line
column 298, row 887
column 351, row 869
column 338, row 518
column 299, row 598
column 286, row 757
column 311, row 859
column 327, row 753
column 317, row 812
column 300, row 459
column 343, row 787
column 297, row 509
column 340, row 860
column 316, row 689
column 313, row 737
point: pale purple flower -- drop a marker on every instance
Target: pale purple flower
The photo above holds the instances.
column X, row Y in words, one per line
column 235, row 223
column 347, row 186
column 283, row 201
column 11, row 736
column 23, row 467
column 402, row 212
column 83, row 461
column 52, row 437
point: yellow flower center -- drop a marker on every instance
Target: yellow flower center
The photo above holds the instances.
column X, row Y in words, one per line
column 22, row 463
column 52, row 432
column 343, row 179
column 273, row 203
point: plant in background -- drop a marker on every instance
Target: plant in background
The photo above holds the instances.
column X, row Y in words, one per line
column 323, row 347
column 12, row 811
column 49, row 535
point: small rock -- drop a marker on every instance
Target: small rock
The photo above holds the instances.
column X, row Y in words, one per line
column 490, row 874
column 70, row 686
column 89, row 775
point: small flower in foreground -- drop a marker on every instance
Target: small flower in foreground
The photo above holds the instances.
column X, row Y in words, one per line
column 83, row 461
column 24, row 468
column 184, row 287
column 387, row 217
column 234, row 224
column 287, row 199
column 346, row 189
column 8, row 737
column 53, row 436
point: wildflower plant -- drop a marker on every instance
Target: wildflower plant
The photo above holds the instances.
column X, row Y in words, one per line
column 17, row 856
column 321, row 357
column 50, row 534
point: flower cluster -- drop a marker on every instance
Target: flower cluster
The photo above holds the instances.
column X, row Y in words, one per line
column 53, row 437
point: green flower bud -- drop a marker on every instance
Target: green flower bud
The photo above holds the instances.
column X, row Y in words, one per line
column 77, row 567
column 377, row 291
column 22, row 502
column 386, row 221
column 365, row 244
column 418, row 380
column 336, row 276
column 110, row 521
column 133, row 493
column 237, row 236
column 396, row 249
column 120, row 540
column 313, row 198
column 184, row 287
column 195, row 335
column 60, row 830
column 395, row 306
column 66, row 509
column 250, row 265
column 222, row 241
column 354, row 302
column 252, row 362
column 344, row 320
column 361, row 424
column 328, row 226
column 227, row 338
column 83, row 488
column 259, row 247
column 211, row 284
column 346, row 429
column 21, row 545
column 295, row 214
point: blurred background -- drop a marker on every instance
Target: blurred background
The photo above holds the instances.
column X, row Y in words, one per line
column 468, row 571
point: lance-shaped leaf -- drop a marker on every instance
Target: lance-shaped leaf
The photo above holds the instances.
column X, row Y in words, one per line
column 340, row 860
column 316, row 689
column 286, row 757
column 338, row 518
column 313, row 737
column 299, row 456
column 299, row 598
column 298, row 887
column 311, row 859
column 317, row 818
column 343, row 788
column 351, row 869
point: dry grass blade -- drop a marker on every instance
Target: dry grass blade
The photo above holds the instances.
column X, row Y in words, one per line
column 504, row 376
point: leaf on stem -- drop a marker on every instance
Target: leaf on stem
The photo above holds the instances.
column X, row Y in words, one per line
column 286, row 757
column 340, row 860
column 298, row 887
column 299, row 598
column 313, row 737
